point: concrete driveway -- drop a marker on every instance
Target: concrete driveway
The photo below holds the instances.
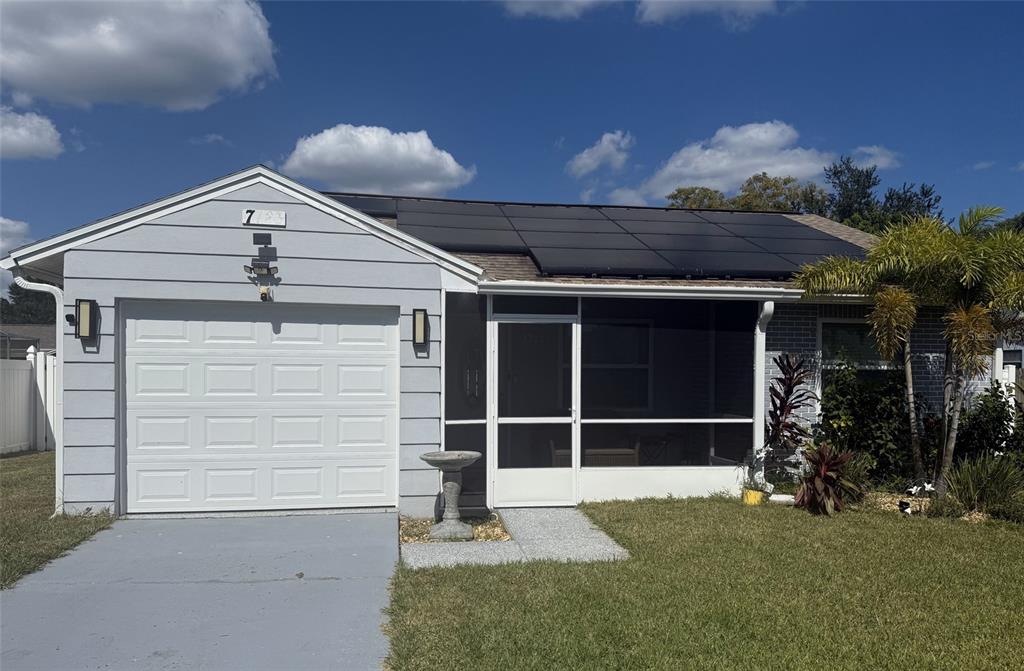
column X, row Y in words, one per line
column 297, row 592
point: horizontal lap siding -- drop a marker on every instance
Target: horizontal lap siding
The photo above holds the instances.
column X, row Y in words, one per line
column 197, row 254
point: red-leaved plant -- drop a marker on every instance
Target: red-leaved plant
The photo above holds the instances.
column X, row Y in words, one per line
column 824, row 486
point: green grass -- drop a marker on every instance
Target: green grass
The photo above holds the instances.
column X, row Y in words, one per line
column 28, row 538
column 716, row 585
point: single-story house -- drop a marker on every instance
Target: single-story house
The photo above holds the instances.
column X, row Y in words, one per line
column 253, row 344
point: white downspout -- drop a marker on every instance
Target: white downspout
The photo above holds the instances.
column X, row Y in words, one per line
column 767, row 310
column 58, row 383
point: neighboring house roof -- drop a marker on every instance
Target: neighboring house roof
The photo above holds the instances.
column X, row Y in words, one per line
column 15, row 339
column 516, row 241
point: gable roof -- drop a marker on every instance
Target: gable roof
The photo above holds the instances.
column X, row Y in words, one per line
column 548, row 240
column 42, row 251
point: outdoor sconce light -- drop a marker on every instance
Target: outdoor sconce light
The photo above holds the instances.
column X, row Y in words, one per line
column 419, row 327
column 86, row 314
column 259, row 266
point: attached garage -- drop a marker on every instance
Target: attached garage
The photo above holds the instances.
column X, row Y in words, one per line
column 250, row 406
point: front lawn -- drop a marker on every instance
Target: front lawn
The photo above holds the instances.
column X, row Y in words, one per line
column 28, row 538
column 716, row 585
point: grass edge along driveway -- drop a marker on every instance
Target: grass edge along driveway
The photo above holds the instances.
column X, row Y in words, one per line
column 28, row 537
column 713, row 584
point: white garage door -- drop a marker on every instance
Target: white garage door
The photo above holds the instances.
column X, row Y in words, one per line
column 260, row 406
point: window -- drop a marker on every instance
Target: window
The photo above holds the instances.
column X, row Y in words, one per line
column 852, row 341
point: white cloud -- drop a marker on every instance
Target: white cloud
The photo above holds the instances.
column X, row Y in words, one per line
column 626, row 196
column 725, row 160
column 587, row 195
column 1020, row 167
column 736, row 15
column 376, row 160
column 210, row 138
column 983, row 165
column 876, row 155
column 171, row 54
column 13, row 234
column 551, row 9
column 612, row 150
column 28, row 135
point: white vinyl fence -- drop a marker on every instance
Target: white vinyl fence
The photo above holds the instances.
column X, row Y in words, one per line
column 27, row 401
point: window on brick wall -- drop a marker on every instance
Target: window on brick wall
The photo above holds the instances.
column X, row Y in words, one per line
column 851, row 341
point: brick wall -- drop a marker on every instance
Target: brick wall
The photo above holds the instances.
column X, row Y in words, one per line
column 794, row 330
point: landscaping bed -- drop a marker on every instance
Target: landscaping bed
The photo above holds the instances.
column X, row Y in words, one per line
column 28, row 537
column 417, row 529
column 713, row 584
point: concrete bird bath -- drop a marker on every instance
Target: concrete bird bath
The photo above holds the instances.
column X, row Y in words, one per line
column 451, row 528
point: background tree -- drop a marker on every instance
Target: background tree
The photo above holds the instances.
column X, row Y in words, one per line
column 760, row 192
column 853, row 189
column 698, row 198
column 26, row 307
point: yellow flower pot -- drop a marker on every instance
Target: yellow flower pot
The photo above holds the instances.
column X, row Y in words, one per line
column 754, row 497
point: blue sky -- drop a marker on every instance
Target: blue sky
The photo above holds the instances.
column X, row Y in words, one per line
column 149, row 102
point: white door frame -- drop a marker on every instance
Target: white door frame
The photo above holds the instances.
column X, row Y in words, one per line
column 493, row 420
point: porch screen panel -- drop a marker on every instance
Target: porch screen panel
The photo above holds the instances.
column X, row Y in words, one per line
column 465, row 356
column 465, row 399
column 666, row 382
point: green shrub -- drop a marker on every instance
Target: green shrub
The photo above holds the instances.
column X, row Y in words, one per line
column 947, row 506
column 987, row 425
column 869, row 416
column 987, row 483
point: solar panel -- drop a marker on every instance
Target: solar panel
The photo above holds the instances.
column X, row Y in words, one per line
column 649, row 214
column 755, row 218
column 770, row 231
column 549, row 211
column 736, row 264
column 581, row 240
column 831, row 247
column 696, row 243
column 564, row 225
column 676, row 227
column 448, row 207
column 467, row 239
column 618, row 241
column 600, row 262
column 371, row 205
column 454, row 220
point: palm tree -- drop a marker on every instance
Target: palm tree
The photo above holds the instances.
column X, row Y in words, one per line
column 975, row 271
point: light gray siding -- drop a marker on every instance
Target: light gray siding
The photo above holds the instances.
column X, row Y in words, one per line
column 197, row 254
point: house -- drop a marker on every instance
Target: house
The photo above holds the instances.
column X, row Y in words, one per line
column 253, row 344
column 15, row 339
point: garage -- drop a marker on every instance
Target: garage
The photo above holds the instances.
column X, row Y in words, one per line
column 251, row 406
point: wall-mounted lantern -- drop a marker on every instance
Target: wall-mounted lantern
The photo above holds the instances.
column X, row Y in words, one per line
column 419, row 327
column 86, row 313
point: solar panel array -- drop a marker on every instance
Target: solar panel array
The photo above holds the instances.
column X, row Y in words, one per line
column 616, row 241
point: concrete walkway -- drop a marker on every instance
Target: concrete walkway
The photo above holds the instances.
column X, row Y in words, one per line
column 559, row 534
column 296, row 592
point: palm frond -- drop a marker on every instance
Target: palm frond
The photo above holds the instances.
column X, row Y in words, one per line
column 974, row 221
column 971, row 335
column 892, row 318
column 835, row 275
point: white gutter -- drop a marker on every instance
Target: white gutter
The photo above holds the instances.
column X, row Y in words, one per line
column 538, row 288
column 58, row 381
column 767, row 311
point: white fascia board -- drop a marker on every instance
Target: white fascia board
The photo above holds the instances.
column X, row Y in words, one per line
column 639, row 291
column 225, row 185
